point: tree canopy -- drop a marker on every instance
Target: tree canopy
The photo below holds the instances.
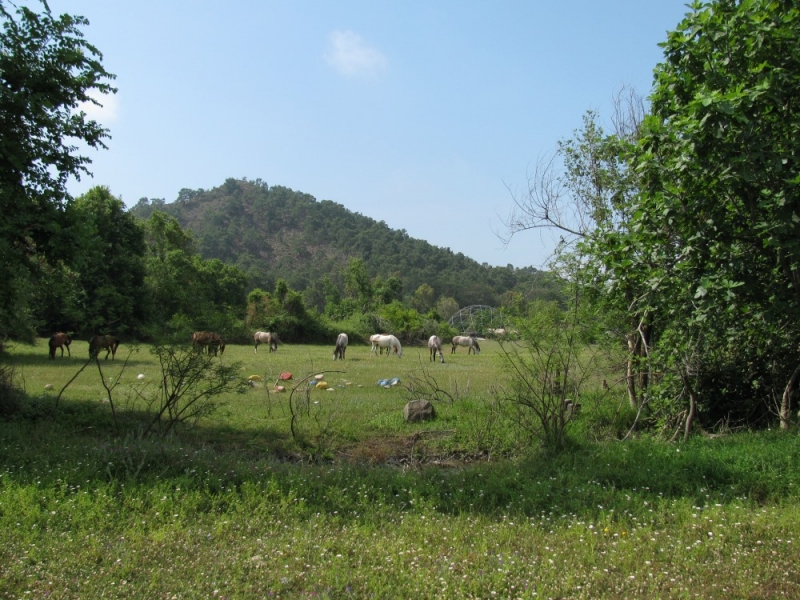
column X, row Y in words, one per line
column 47, row 69
column 683, row 226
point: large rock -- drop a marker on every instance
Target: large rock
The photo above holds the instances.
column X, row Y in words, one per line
column 419, row 410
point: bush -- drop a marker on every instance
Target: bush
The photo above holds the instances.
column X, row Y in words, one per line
column 11, row 396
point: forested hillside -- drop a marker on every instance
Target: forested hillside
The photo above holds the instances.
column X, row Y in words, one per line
column 275, row 232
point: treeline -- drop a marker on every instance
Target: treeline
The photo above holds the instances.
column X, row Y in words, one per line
column 140, row 274
column 275, row 233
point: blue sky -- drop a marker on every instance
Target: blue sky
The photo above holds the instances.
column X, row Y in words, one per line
column 421, row 114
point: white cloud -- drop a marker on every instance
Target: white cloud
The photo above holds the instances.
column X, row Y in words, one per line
column 108, row 110
column 348, row 53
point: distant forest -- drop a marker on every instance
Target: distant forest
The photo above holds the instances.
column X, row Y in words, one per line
column 273, row 233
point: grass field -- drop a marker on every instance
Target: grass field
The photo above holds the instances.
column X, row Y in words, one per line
column 367, row 506
column 353, row 415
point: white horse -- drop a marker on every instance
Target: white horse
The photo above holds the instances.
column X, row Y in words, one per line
column 466, row 340
column 341, row 346
column 373, row 340
column 435, row 346
column 265, row 337
column 386, row 341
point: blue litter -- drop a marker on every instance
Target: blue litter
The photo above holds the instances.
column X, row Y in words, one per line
column 387, row 383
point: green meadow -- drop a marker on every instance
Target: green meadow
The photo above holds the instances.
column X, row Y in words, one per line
column 357, row 503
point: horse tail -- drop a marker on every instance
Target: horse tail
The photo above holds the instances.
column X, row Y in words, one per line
column 475, row 343
column 52, row 344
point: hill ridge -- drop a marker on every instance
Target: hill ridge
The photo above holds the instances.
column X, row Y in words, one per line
column 275, row 232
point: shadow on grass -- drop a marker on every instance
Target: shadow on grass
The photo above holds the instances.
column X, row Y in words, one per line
column 78, row 443
column 38, row 356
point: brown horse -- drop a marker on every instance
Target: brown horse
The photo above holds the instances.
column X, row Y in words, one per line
column 209, row 341
column 103, row 342
column 59, row 340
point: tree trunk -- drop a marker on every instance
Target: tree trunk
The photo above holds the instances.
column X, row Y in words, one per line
column 630, row 376
column 692, row 405
column 786, row 400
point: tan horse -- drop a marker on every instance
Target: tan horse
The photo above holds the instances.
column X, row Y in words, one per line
column 266, row 337
column 59, row 340
column 435, row 346
column 208, row 341
column 103, row 342
column 466, row 340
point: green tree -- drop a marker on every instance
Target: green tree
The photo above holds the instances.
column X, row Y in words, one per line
column 358, row 284
column 389, row 289
column 713, row 243
column 184, row 289
column 446, row 307
column 112, row 265
column 163, row 234
column 47, row 69
column 586, row 193
column 281, row 290
column 423, row 298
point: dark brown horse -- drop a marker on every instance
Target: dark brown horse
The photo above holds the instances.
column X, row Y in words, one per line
column 59, row 340
column 103, row 342
column 209, row 341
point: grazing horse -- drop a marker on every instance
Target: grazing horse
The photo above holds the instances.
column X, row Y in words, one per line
column 59, row 340
column 209, row 341
column 373, row 340
column 435, row 346
column 466, row 340
column 266, row 337
column 386, row 341
column 341, row 346
column 103, row 342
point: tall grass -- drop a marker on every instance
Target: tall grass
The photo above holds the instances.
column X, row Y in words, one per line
column 235, row 509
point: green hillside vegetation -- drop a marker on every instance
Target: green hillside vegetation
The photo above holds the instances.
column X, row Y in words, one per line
column 273, row 232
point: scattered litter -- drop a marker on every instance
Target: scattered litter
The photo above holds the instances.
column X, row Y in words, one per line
column 252, row 384
column 322, row 385
column 280, row 388
column 49, row 386
column 319, row 377
column 330, row 390
column 251, row 378
column 312, row 382
column 387, row 383
column 285, row 376
column 140, row 376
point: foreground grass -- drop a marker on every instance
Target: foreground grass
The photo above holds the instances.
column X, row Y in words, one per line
column 81, row 517
column 87, row 512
